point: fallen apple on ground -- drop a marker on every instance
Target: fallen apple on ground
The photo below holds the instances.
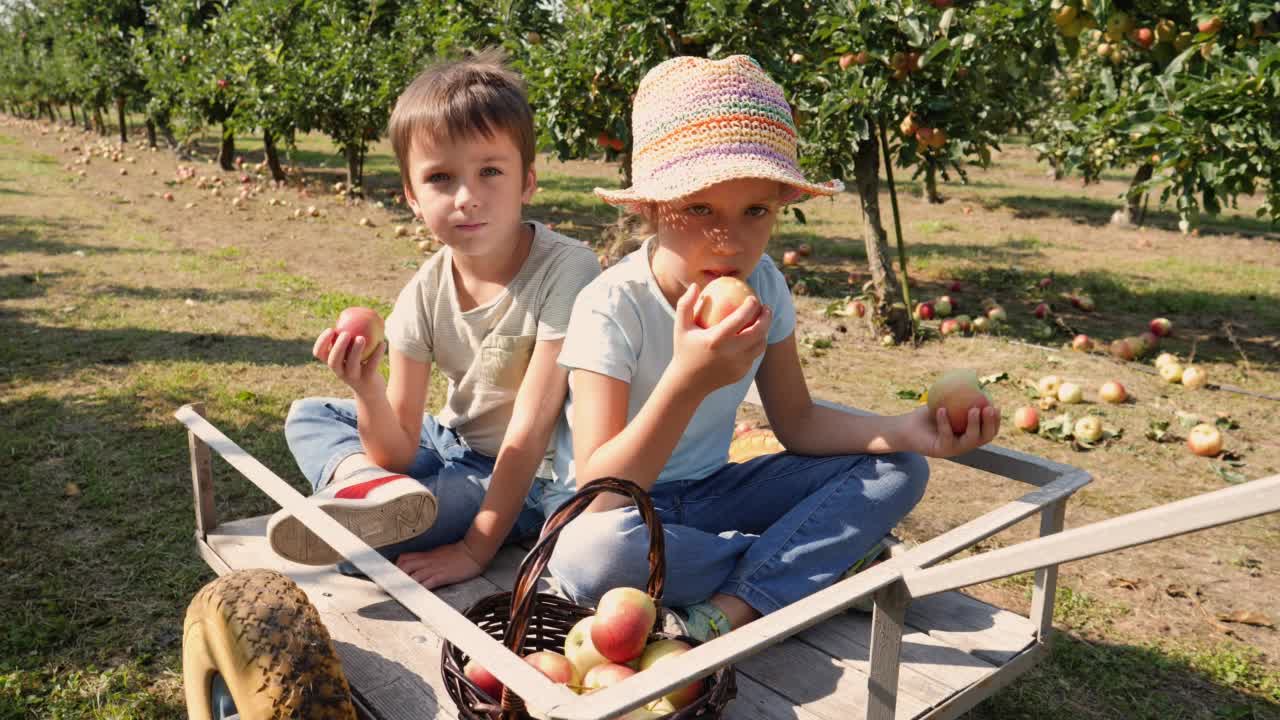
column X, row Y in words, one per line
column 719, row 299
column 1027, row 419
column 1122, row 349
column 957, row 391
column 1205, row 440
column 1088, row 429
column 924, row 311
column 361, row 322
column 1112, row 392
column 1082, row 342
column 1166, row 358
column 1194, row 377
column 1070, row 393
column 1161, row 327
column 1041, row 311
column 1171, row 372
column 983, row 324
column 942, row 306
column 949, row 327
column 624, row 618
column 1048, row 385
column 998, row 314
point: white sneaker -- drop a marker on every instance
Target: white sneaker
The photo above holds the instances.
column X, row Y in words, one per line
column 382, row 512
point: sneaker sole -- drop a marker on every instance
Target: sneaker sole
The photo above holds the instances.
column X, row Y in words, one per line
column 388, row 523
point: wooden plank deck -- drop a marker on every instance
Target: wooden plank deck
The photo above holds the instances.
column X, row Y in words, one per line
column 951, row 643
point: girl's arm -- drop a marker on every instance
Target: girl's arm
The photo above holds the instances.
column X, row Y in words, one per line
column 388, row 416
column 806, row 428
column 606, row 445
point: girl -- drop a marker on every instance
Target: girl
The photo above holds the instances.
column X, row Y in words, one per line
column 653, row 397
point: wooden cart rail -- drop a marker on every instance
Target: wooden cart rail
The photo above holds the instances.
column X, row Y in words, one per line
column 893, row 584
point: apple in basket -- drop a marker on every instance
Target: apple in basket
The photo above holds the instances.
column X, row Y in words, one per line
column 579, row 650
column 719, row 299
column 483, row 679
column 624, row 618
column 604, row 675
column 555, row 666
column 660, row 650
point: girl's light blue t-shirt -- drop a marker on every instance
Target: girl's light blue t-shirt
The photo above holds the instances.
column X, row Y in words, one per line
column 622, row 326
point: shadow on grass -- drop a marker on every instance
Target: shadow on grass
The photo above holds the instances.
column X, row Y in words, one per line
column 50, row 352
column 1100, row 681
column 193, row 293
column 23, row 234
column 1090, row 211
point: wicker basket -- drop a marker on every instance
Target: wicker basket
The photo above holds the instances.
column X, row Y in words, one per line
column 541, row 621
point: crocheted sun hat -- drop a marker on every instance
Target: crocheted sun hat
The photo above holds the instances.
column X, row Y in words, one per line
column 697, row 122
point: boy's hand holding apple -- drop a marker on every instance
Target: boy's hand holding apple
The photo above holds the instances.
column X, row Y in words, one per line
column 719, row 353
column 353, row 349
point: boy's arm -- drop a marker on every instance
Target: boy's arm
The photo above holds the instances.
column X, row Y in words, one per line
column 389, row 415
column 806, row 428
column 538, row 404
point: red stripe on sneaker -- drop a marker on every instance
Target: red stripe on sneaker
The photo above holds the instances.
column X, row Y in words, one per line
column 361, row 490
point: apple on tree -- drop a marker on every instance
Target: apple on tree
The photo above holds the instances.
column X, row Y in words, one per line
column 957, row 391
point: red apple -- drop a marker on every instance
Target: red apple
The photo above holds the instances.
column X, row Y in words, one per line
column 485, row 680
column 846, row 60
column 168, row 196
column 1027, row 419
column 855, row 308
column 1209, row 25
column 1149, row 342
column 361, row 322
column 957, row 391
column 623, row 621
column 661, row 650
column 805, row 249
column 1044, row 283
column 965, row 323
column 924, row 311
column 1041, row 311
column 719, row 299
column 791, row 257
column 555, row 666
column 222, row 84
column 1161, row 327
column 1143, row 37
column 1204, row 440
column 1112, row 392
column 998, row 314
column 602, row 676
column 1122, row 349
column 955, row 286
column 1083, row 302
column 578, row 648
column 949, row 327
column 1082, row 343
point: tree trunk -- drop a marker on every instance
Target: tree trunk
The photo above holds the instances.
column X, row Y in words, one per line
column 226, row 154
column 1132, row 215
column 626, row 170
column 931, row 185
column 166, row 131
column 99, row 124
column 84, row 113
column 355, row 168
column 866, row 179
column 151, row 134
column 273, row 158
column 124, row 128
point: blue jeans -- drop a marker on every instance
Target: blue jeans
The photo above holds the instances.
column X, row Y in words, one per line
column 769, row 531
column 322, row 433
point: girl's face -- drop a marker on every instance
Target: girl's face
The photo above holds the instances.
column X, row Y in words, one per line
column 721, row 230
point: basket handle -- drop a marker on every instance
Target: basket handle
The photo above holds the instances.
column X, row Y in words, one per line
column 523, row 593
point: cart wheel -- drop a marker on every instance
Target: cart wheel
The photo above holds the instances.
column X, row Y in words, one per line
column 254, row 648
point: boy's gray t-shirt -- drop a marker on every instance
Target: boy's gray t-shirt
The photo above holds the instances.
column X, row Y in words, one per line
column 484, row 352
column 622, row 326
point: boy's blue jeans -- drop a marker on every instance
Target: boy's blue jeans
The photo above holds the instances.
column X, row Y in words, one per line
column 322, row 433
column 769, row 531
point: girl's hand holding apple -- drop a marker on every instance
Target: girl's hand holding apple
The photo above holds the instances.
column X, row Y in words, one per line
column 722, row 354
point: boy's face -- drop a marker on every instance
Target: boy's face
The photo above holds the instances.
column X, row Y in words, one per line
column 469, row 192
column 721, row 230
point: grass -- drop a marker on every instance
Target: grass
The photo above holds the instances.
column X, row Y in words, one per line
column 98, row 565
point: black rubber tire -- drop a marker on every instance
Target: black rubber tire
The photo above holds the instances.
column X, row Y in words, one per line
column 258, row 630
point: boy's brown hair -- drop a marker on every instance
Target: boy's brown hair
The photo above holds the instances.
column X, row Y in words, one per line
column 458, row 99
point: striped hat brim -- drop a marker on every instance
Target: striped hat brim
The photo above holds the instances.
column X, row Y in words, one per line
column 693, row 175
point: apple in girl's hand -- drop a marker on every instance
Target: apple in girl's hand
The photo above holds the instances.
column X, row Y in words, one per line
column 1112, row 392
column 579, row 650
column 1204, row 440
column 361, row 322
column 719, row 299
column 624, row 618
column 488, row 684
column 555, row 666
column 1027, row 419
column 660, row 650
column 602, row 676
column 957, row 391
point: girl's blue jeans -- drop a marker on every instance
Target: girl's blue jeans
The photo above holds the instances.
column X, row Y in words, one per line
column 321, row 433
column 769, row 531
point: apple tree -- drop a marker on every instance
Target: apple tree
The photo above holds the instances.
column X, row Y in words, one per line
column 1185, row 92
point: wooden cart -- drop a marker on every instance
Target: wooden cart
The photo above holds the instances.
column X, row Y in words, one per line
column 927, row 651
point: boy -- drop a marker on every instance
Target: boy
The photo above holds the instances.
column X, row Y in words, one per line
column 440, row 495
